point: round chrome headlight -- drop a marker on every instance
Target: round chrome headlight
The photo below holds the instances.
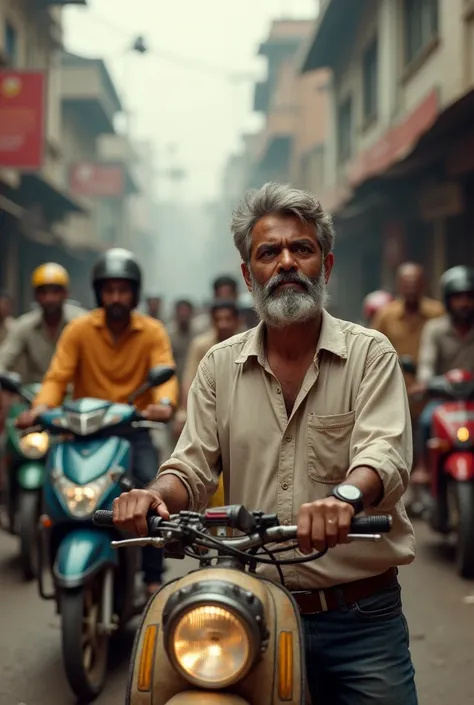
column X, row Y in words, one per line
column 213, row 632
column 34, row 445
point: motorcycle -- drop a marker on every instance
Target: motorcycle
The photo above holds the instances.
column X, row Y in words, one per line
column 25, row 467
column 222, row 634
column 451, row 461
column 95, row 590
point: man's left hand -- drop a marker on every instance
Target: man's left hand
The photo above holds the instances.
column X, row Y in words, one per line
column 158, row 412
column 323, row 524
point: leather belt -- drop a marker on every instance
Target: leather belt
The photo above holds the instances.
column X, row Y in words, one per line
column 339, row 596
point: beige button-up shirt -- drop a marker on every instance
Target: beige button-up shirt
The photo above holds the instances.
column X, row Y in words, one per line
column 442, row 349
column 351, row 411
column 28, row 341
column 198, row 348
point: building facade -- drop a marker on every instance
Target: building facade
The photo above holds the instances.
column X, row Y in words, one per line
column 399, row 157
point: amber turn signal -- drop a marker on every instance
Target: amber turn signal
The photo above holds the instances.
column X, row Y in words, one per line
column 147, row 658
column 285, row 666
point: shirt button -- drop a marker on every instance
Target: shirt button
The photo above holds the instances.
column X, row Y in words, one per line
column 288, row 438
column 278, row 390
column 284, row 485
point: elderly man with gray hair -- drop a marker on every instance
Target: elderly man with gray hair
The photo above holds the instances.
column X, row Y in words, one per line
column 306, row 416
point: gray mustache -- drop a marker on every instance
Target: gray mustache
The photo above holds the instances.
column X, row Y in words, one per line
column 285, row 279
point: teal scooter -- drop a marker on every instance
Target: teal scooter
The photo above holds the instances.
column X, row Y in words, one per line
column 94, row 587
column 25, row 458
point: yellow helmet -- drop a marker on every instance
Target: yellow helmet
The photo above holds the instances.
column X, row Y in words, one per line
column 50, row 274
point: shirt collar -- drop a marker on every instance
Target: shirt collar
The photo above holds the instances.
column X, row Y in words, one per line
column 98, row 320
column 331, row 338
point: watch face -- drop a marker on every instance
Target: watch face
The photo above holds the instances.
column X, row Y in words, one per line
column 349, row 492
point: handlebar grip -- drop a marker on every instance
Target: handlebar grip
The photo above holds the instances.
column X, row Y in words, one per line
column 104, row 518
column 371, row 525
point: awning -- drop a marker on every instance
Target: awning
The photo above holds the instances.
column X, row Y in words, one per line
column 10, row 207
column 39, row 189
column 333, row 34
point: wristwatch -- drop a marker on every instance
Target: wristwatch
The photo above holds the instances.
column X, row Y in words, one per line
column 349, row 494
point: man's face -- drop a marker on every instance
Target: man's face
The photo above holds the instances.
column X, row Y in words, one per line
column 227, row 292
column 287, row 274
column 154, row 306
column 411, row 285
column 51, row 298
column 225, row 322
column 117, row 299
column 461, row 307
column 184, row 314
column 5, row 307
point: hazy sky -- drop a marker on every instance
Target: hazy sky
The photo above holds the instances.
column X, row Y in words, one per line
column 201, row 112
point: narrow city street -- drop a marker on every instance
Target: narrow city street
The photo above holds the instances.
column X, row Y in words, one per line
column 438, row 604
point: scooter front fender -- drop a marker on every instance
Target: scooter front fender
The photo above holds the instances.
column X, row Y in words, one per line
column 460, row 466
column 81, row 554
column 30, row 475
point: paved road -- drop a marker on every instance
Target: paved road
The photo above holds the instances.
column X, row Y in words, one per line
column 441, row 622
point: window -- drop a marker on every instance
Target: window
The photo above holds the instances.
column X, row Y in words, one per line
column 11, row 44
column 345, row 130
column 421, row 26
column 370, row 81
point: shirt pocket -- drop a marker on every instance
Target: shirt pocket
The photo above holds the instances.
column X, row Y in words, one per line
column 329, row 439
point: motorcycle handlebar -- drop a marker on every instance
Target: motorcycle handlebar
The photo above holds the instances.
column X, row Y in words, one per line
column 359, row 525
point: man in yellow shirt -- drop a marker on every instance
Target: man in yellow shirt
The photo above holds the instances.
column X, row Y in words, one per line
column 225, row 324
column 107, row 354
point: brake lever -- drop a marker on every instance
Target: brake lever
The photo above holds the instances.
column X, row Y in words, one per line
column 145, row 541
column 31, row 429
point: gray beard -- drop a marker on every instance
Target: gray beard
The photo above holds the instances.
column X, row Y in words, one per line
column 278, row 309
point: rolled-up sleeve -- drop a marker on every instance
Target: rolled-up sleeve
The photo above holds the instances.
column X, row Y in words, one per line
column 196, row 459
column 382, row 436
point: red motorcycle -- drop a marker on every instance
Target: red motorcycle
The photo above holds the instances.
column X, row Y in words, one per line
column 451, row 461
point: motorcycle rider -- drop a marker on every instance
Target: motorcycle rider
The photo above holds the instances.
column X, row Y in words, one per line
column 225, row 288
column 107, row 354
column 373, row 303
column 154, row 304
column 305, row 415
column 248, row 314
column 447, row 343
column 181, row 332
column 6, row 318
column 32, row 338
column 402, row 321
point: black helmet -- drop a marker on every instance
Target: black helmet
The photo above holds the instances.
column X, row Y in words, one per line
column 457, row 280
column 117, row 264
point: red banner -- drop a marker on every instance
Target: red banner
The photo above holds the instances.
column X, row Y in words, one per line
column 97, row 180
column 22, row 117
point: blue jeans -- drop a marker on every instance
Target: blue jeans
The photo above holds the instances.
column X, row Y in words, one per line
column 359, row 655
column 145, row 467
column 425, row 421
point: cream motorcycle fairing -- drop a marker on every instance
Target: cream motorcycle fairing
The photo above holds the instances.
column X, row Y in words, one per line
column 259, row 686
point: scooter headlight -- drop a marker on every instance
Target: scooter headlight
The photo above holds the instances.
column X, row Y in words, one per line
column 213, row 633
column 82, row 500
column 34, row 445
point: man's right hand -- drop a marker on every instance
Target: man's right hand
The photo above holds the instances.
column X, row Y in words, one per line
column 131, row 509
column 27, row 418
